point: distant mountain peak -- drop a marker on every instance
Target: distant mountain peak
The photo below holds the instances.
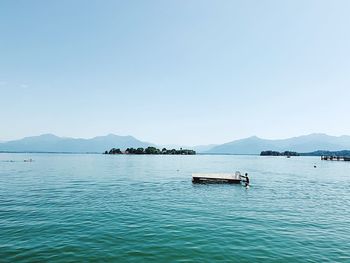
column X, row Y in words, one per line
column 112, row 135
column 318, row 135
column 254, row 137
column 47, row 135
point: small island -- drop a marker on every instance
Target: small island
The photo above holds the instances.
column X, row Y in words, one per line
column 275, row 153
column 151, row 150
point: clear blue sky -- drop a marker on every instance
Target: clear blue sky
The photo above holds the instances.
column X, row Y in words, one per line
column 184, row 72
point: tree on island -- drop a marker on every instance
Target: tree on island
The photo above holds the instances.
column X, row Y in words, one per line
column 151, row 150
column 275, row 153
column 114, row 151
column 140, row 150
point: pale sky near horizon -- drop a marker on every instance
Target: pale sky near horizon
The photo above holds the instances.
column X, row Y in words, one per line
column 174, row 72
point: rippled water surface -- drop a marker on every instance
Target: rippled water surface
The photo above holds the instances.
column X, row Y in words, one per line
column 66, row 207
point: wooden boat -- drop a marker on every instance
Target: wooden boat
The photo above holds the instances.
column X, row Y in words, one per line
column 230, row 178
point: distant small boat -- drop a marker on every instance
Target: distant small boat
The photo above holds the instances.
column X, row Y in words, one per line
column 288, row 156
column 230, row 178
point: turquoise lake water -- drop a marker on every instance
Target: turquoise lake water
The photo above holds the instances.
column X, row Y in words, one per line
column 100, row 208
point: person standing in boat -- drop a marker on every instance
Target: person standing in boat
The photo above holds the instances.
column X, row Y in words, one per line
column 246, row 179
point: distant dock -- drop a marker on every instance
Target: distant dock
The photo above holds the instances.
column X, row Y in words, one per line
column 336, row 158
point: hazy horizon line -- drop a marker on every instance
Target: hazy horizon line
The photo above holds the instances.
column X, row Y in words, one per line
column 173, row 144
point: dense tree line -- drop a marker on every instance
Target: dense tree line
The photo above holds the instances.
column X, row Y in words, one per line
column 151, row 150
column 114, row 151
column 275, row 153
